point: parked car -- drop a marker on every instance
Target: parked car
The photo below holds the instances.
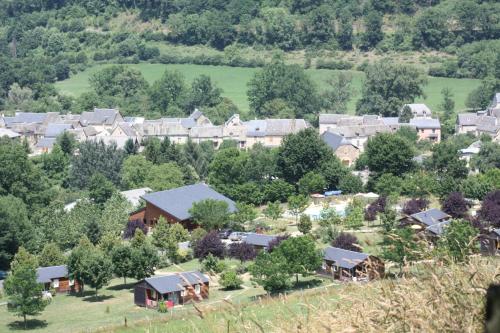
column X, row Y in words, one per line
column 237, row 236
column 224, row 233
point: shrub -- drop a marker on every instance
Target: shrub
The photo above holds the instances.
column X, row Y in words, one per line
column 242, row 251
column 347, row 241
column 378, row 206
column 230, row 280
column 415, row 205
column 335, row 65
column 132, row 226
column 455, row 205
column 210, row 244
column 276, row 242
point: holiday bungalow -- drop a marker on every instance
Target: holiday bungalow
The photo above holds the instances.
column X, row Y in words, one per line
column 490, row 242
column 259, row 241
column 348, row 265
column 174, row 205
column 56, row 278
column 422, row 220
column 174, row 289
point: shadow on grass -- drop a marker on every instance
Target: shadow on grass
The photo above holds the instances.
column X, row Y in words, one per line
column 99, row 298
column 31, row 324
column 119, row 287
column 307, row 284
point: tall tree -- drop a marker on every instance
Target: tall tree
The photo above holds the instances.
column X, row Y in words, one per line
column 340, row 94
column 389, row 153
column 22, row 287
column 373, row 31
column 121, row 257
column 210, row 214
column 167, row 95
column 51, row 255
column 301, row 255
column 387, row 87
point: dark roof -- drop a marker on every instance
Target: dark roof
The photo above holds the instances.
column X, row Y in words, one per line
column 177, row 202
column 54, row 130
column 176, row 282
column 46, row 143
column 430, row 217
column 344, row 258
column 496, row 231
column 334, row 140
column 425, row 123
column 438, row 228
column 47, row 274
column 259, row 239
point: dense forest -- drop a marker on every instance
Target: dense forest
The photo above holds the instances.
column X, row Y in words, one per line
column 45, row 41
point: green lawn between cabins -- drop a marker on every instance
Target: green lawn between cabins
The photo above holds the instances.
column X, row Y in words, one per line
column 233, row 80
column 68, row 313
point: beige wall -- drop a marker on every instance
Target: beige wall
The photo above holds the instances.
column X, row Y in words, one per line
column 461, row 129
column 429, row 134
column 347, row 154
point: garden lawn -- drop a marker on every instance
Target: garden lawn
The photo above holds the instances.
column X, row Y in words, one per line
column 233, row 81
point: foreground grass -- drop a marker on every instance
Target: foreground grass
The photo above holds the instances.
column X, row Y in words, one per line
column 435, row 299
column 233, row 80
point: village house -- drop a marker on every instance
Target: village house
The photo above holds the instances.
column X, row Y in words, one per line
column 490, row 242
column 419, row 110
column 101, row 119
column 427, row 128
column 348, row 265
column 426, row 222
column 259, row 241
column 347, row 152
column 270, row 132
column 174, row 205
column 56, row 278
column 173, row 289
column 5, row 132
column 482, row 122
column 30, row 125
column 52, row 131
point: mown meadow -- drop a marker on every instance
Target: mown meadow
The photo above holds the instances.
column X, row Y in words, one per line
column 233, row 80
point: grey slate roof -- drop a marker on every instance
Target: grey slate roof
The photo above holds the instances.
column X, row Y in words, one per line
column 467, row 119
column 207, row 132
column 430, row 217
column 419, row 109
column 425, row 123
column 176, row 282
column 47, row 274
column 390, row 120
column 178, row 201
column 46, row 143
column 333, row 140
column 8, row 133
column 54, row 130
column 488, row 124
column 196, row 114
column 100, row 117
column 438, row 228
column 256, row 127
column 344, row 258
column 331, row 118
column 259, row 239
column 29, row 117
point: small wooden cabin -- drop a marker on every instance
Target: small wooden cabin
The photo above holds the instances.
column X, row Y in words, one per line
column 173, row 289
column 348, row 265
column 490, row 242
column 57, row 278
column 421, row 220
column 259, row 241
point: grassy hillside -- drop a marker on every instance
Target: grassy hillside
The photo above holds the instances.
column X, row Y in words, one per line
column 233, row 80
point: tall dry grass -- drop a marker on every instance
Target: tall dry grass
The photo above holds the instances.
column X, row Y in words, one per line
column 433, row 298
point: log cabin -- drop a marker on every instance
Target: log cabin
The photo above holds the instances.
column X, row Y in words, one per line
column 422, row 220
column 174, row 205
column 348, row 265
column 173, row 289
column 57, row 278
column 259, row 241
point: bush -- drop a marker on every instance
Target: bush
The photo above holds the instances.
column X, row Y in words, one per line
column 347, row 241
column 335, row 65
column 132, row 226
column 162, row 307
column 242, row 251
column 230, row 280
column 209, row 245
column 212, row 264
column 415, row 205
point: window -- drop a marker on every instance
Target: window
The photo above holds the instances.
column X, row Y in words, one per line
column 183, row 293
column 197, row 289
column 71, row 282
column 55, row 283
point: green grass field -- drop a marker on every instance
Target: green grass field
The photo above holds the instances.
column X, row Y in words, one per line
column 233, row 80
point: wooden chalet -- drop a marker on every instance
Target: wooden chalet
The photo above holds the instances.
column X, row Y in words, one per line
column 173, row 289
column 348, row 265
column 174, row 205
column 57, row 278
column 259, row 241
column 490, row 242
column 421, row 220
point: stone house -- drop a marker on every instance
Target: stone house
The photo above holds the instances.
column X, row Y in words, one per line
column 427, row 128
column 346, row 151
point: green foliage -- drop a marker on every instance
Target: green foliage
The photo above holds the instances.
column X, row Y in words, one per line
column 270, row 271
column 301, row 153
column 389, row 153
column 297, row 204
column 210, row 214
column 301, row 255
column 135, row 170
column 305, row 224
column 402, row 246
column 212, row 264
column 100, row 189
column 289, row 83
column 387, row 87
column 488, row 157
column 22, row 288
column 312, row 182
column 354, row 215
column 273, row 210
column 51, row 255
column 230, row 280
column 350, row 184
column 388, row 185
column 76, row 260
column 114, row 215
column 168, row 94
column 144, row 260
column 164, row 177
column 340, row 94
column 121, row 257
column 458, row 240
column 244, row 213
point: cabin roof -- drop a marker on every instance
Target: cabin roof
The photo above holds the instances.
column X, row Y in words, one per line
column 344, row 258
column 259, row 239
column 430, row 217
column 47, row 274
column 176, row 282
column 178, row 201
